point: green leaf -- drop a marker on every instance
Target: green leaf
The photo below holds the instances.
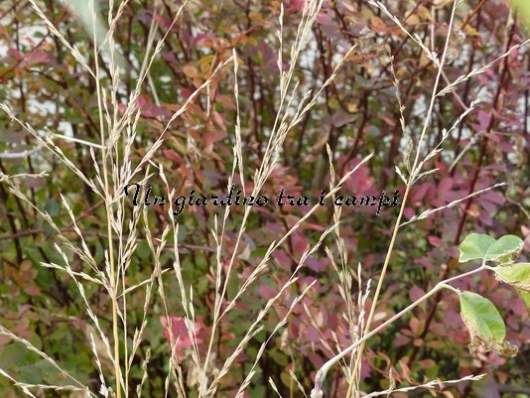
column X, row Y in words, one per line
column 485, row 324
column 475, row 246
column 259, row 391
column 144, row 252
column 505, row 248
column 484, row 247
column 482, row 314
column 30, row 374
column 183, row 232
column 233, row 288
column 259, row 252
column 525, row 295
column 279, row 357
column 363, row 82
column 517, row 275
column 13, row 354
column 52, row 207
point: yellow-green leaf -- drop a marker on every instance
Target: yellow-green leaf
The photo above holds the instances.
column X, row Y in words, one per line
column 485, row 324
column 517, row 275
column 484, row 247
column 504, row 248
column 475, row 246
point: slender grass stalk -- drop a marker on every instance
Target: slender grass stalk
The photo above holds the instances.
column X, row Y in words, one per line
column 412, row 178
column 105, row 156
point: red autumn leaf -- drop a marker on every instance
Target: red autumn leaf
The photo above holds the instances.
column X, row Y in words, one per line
column 316, row 265
column 324, row 19
column 414, row 325
column 388, row 121
column 434, row 240
column 419, row 192
column 172, row 155
column 13, row 52
column 32, row 290
column 445, row 185
column 38, row 57
column 409, row 212
column 267, row 292
column 296, row 5
column 180, row 334
column 484, row 119
column 415, row 293
column 401, row 341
